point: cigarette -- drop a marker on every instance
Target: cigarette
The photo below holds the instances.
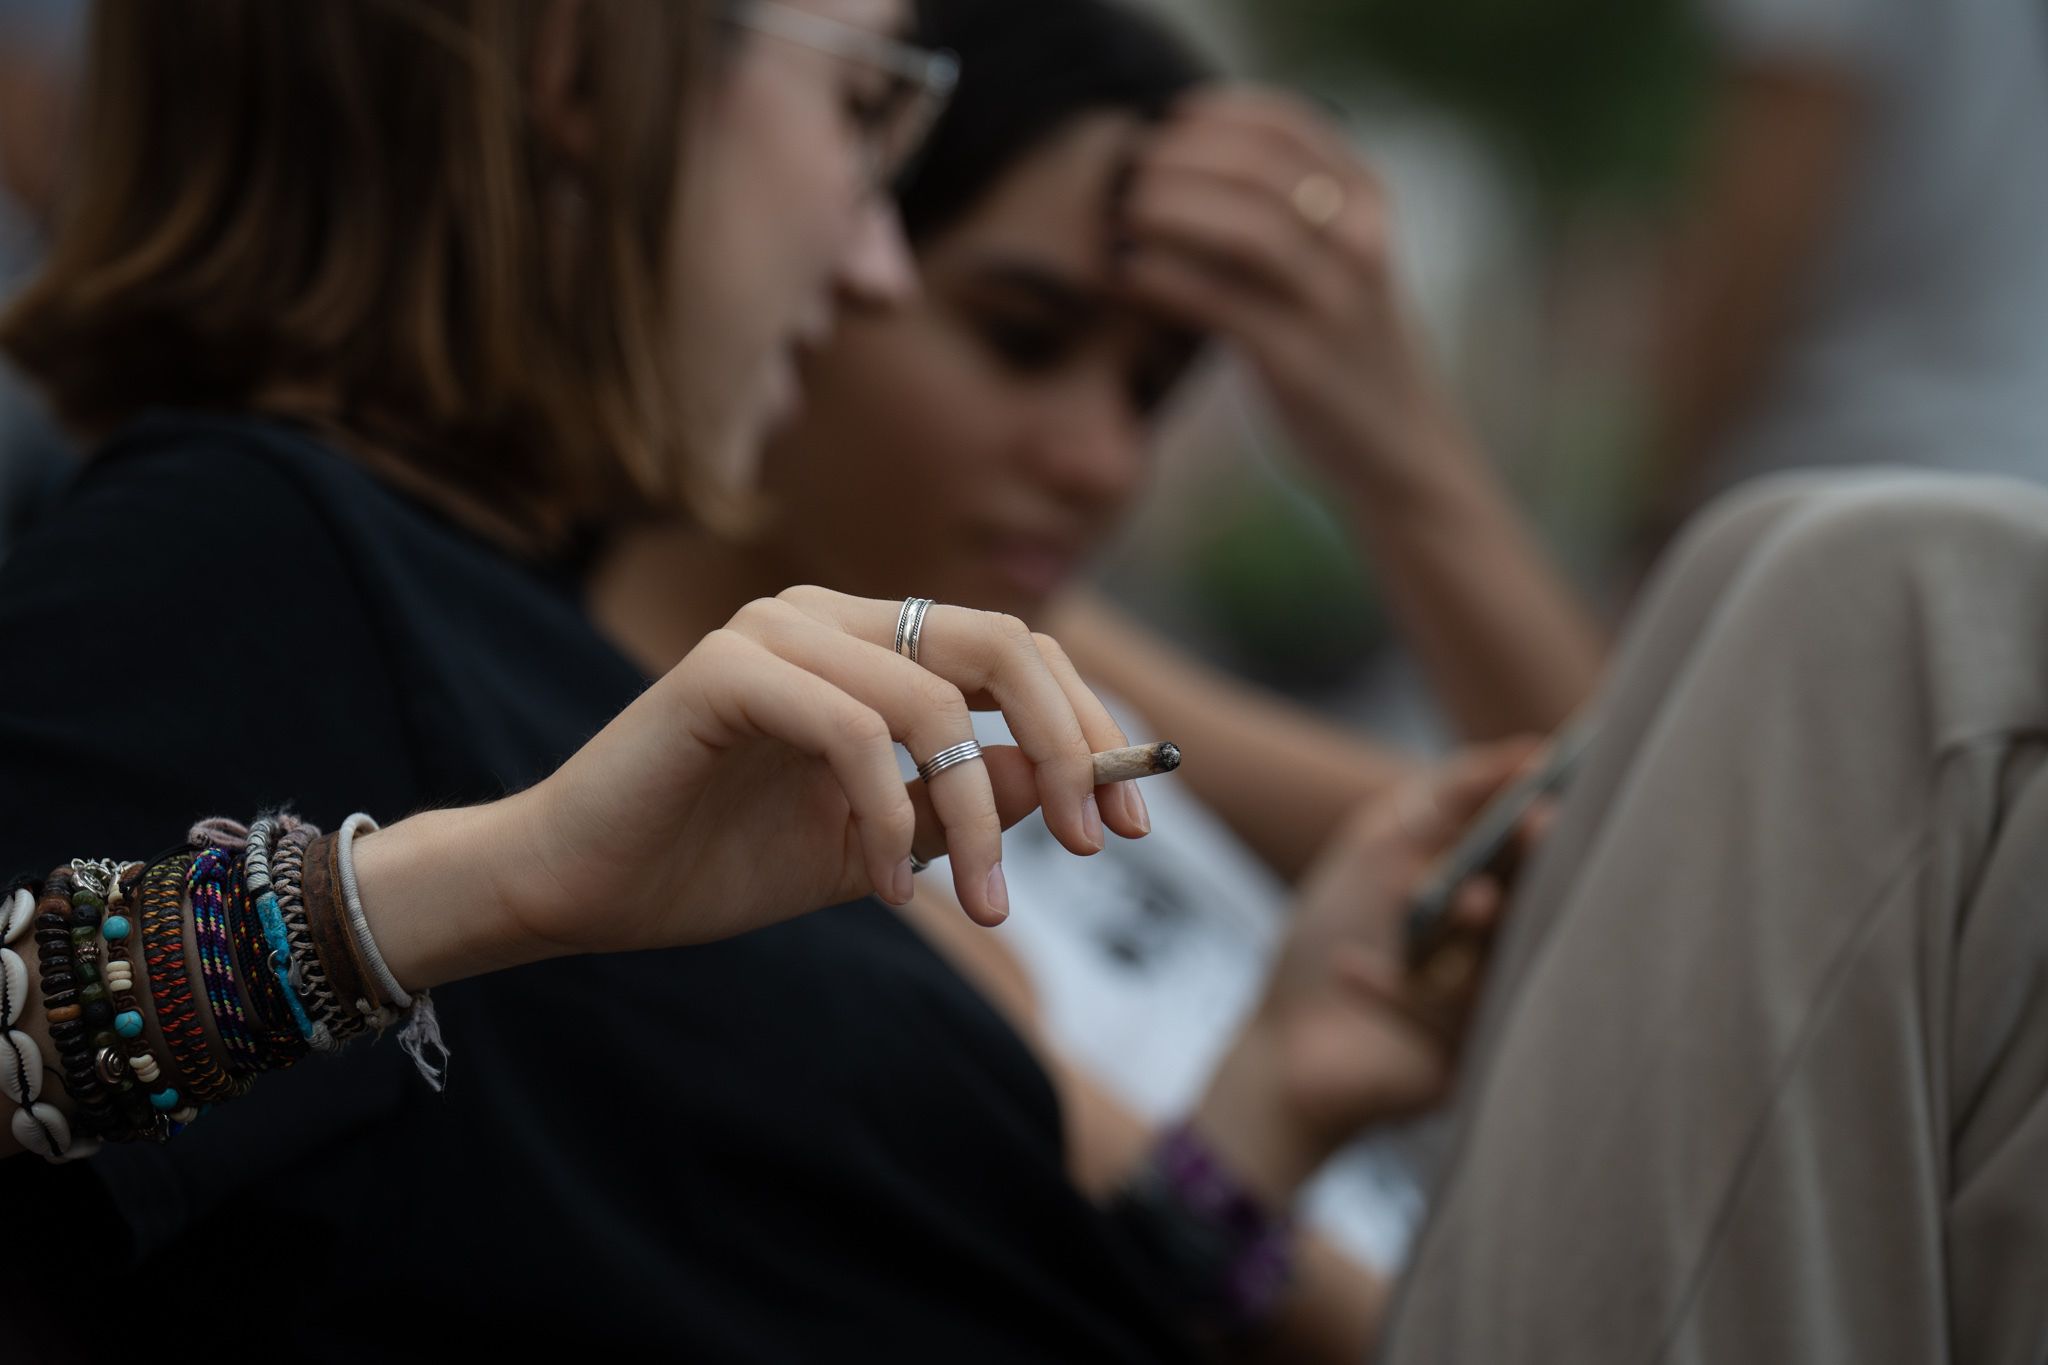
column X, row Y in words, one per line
column 1140, row 760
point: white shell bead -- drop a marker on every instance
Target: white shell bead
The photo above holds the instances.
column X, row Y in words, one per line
column 21, row 1067
column 145, row 1068
column 21, row 908
column 13, row 986
column 42, row 1129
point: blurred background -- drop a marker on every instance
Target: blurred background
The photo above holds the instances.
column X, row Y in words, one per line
column 1657, row 245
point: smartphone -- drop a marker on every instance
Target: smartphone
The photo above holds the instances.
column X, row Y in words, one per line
column 1488, row 844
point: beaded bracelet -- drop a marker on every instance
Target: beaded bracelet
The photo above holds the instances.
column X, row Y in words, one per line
column 118, row 939
column 67, row 934
column 38, row 1126
column 198, row 1073
column 99, row 886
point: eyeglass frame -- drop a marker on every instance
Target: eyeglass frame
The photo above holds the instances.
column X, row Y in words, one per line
column 931, row 74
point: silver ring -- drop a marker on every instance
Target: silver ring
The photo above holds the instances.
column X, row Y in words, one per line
column 966, row 751
column 918, row 864
column 910, row 626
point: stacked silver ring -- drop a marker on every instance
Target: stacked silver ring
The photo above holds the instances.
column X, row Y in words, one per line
column 966, row 751
column 910, row 626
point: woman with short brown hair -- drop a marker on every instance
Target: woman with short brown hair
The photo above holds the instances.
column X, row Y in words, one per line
column 372, row 309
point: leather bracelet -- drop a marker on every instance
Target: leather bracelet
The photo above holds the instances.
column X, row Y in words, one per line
column 327, row 918
column 308, row 968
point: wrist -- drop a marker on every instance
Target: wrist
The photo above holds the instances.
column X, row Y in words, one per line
column 1248, row 1118
column 1421, row 464
column 435, row 890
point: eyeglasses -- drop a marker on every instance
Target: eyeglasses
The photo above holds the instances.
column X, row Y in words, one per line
column 893, row 124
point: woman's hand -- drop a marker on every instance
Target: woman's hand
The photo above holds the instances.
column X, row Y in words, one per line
column 756, row 781
column 1248, row 217
column 1346, row 1035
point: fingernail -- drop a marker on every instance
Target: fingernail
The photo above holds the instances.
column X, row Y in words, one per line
column 903, row 885
column 1091, row 819
column 998, row 892
column 1139, row 808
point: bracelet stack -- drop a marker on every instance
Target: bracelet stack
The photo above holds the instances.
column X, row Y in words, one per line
column 170, row 987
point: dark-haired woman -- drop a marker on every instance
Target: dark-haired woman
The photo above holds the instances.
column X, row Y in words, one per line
column 1079, row 240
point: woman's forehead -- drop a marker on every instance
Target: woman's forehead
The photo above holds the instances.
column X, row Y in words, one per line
column 1053, row 205
column 894, row 17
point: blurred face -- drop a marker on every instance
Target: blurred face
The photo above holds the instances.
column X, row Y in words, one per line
column 979, row 443
column 782, row 224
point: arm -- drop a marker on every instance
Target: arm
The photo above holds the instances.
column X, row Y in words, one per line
column 657, row 831
column 1279, row 775
column 1228, row 236
column 1333, row 1310
column 1343, row 1039
column 1768, row 186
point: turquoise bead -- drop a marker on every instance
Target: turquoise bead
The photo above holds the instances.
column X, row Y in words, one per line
column 128, row 1023
column 165, row 1099
column 116, row 928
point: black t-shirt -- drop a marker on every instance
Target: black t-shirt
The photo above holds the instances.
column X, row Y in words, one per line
column 814, row 1142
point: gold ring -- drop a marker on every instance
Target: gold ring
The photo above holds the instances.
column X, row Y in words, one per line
column 1319, row 199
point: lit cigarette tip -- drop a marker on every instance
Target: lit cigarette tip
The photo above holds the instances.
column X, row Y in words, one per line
column 1140, row 760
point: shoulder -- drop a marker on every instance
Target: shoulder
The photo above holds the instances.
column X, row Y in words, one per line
column 182, row 632
column 171, row 504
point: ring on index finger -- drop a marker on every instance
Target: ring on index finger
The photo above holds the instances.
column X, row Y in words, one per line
column 1319, row 199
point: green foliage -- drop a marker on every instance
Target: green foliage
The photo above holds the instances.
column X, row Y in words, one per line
column 1594, row 97
column 1289, row 598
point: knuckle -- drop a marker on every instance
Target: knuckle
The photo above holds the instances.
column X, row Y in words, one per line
column 723, row 644
column 803, row 597
column 1011, row 632
column 898, row 824
column 943, row 699
column 1050, row 649
column 864, row 728
column 757, row 616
